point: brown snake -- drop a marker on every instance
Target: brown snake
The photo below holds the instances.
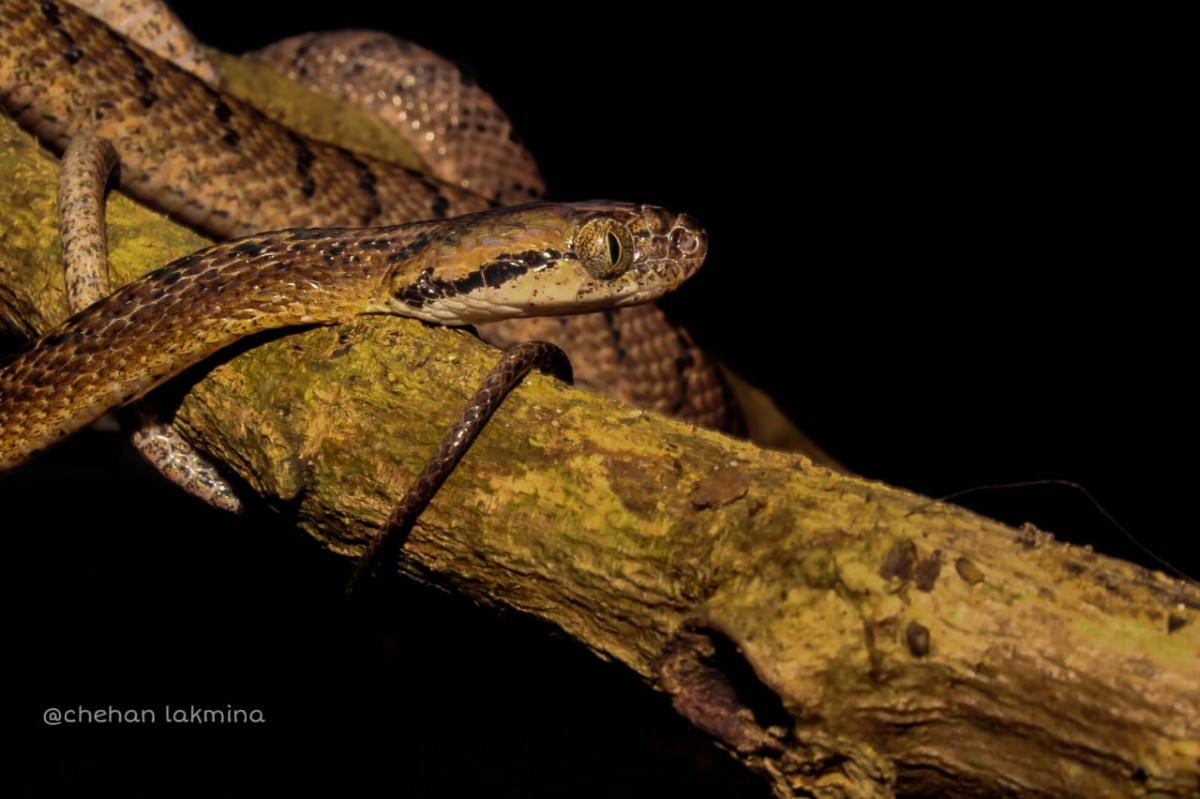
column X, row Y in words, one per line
column 62, row 73
column 223, row 168
column 492, row 265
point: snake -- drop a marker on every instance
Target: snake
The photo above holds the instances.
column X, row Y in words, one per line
column 226, row 170
column 531, row 259
column 637, row 354
column 230, row 171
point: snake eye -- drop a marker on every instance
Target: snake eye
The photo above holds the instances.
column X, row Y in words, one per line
column 605, row 246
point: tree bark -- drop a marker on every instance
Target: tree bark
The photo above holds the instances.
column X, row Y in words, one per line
column 843, row 637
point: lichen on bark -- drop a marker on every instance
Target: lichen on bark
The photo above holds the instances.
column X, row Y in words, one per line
column 844, row 637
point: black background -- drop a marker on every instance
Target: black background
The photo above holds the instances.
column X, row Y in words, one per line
column 947, row 245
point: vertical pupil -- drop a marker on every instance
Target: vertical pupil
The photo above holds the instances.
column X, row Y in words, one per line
column 614, row 248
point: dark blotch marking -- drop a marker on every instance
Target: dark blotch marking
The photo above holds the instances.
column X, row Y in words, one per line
column 422, row 291
column 223, row 113
column 367, row 182
column 900, row 561
column 141, row 73
column 304, row 161
column 250, row 248
column 71, row 52
column 917, row 638
column 426, row 288
column 470, row 283
column 52, row 14
column 300, row 54
column 507, row 266
column 412, row 248
column 686, row 359
column 927, row 571
column 610, row 321
column 685, row 362
column 375, row 244
column 438, row 204
column 1175, row 623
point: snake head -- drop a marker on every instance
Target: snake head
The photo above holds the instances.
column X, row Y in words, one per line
column 544, row 260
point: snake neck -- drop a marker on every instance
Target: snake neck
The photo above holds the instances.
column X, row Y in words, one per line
column 527, row 260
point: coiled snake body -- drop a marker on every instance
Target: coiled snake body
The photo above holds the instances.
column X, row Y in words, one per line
column 227, row 170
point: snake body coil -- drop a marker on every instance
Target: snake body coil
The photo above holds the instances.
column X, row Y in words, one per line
column 227, row 170
column 200, row 155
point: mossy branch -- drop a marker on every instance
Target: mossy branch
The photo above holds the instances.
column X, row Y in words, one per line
column 844, row 637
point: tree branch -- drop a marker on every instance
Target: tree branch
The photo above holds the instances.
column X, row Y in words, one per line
column 844, row 637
